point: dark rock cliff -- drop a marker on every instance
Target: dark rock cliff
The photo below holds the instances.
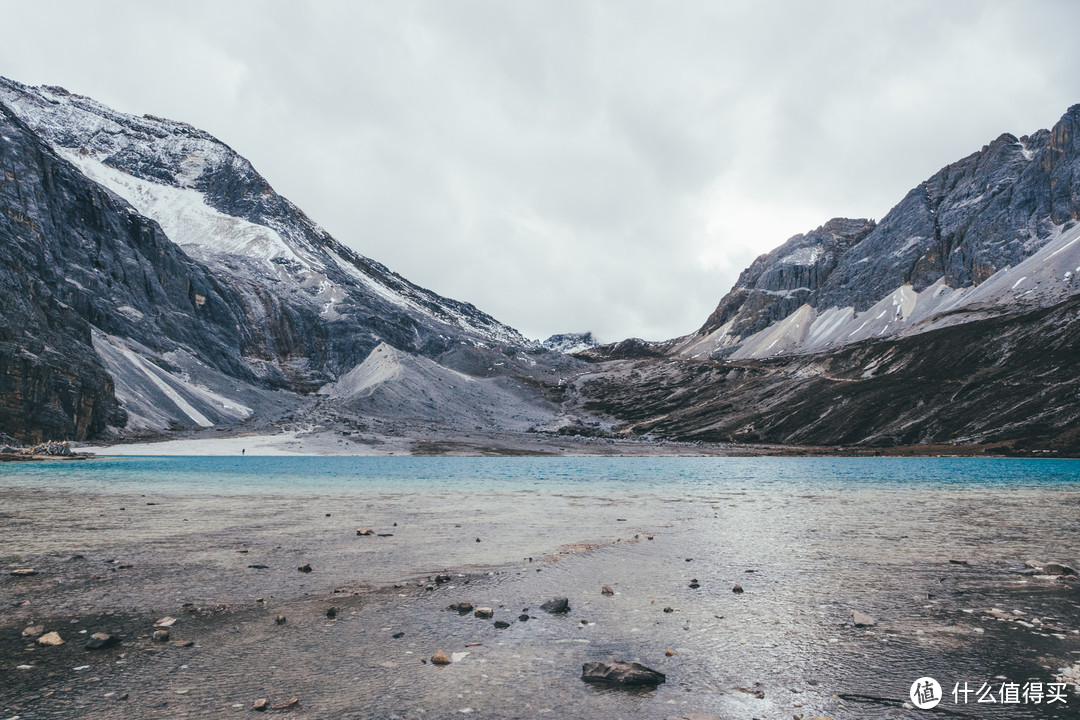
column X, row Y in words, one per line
column 73, row 256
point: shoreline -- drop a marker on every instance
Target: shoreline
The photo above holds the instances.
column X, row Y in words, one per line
column 479, row 444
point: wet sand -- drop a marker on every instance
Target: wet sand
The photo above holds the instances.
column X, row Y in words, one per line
column 805, row 560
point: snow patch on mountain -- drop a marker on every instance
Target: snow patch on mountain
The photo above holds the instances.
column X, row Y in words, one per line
column 184, row 215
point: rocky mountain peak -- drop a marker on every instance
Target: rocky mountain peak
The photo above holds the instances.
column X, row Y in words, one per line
column 973, row 220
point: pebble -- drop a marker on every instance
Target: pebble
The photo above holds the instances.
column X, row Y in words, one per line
column 306, row 568
column 669, row 609
column 439, row 658
column 737, row 589
column 606, row 591
column 24, row 572
column 1057, row 569
column 523, row 617
column 100, row 641
column 33, row 631
column 462, row 607
column 484, row 612
column 280, row 620
column 502, row 624
column 50, row 638
column 759, row 694
column 165, row 622
column 161, row 636
column 694, row 585
column 261, row 705
column 364, row 531
column 860, row 619
column 290, row 703
column 331, row 613
column 556, row 605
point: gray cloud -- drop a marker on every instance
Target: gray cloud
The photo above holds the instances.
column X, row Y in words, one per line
column 572, row 165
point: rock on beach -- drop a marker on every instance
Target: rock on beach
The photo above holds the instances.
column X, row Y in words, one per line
column 621, row 674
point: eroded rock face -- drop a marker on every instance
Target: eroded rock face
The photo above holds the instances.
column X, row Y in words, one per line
column 776, row 284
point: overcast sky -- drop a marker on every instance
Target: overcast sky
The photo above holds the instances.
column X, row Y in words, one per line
column 570, row 166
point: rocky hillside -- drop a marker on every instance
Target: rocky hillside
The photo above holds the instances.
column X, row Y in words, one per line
column 157, row 282
column 992, row 233
column 1012, row 379
column 953, row 320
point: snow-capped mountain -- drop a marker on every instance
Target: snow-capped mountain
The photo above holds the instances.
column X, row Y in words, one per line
column 153, row 267
column 994, row 232
column 570, row 343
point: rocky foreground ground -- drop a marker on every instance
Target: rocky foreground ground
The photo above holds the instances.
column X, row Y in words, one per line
column 381, row 605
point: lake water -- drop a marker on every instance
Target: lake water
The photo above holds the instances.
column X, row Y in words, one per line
column 927, row 546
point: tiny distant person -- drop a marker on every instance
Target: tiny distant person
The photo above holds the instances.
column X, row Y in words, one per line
column 243, row 450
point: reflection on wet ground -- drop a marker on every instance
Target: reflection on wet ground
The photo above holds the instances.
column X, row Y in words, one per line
column 928, row 562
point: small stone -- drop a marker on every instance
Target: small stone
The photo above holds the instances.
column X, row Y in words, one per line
column 737, row 589
column 50, row 638
column 331, row 613
column 261, row 705
column 860, row 619
column 259, row 567
column 621, row 674
column 694, row 585
column 502, row 624
column 477, row 539
column 306, row 568
column 669, row 609
column 759, row 694
column 462, row 607
column 556, row 605
column 183, row 643
column 160, row 636
column 484, row 612
column 165, row 622
column 24, row 572
column 290, row 703
column 523, row 617
column 440, row 658
column 1057, row 569
column 606, row 591
column 280, row 620
column 33, row 631
column 122, row 696
column 669, row 652
column 440, row 579
column 398, row 635
column 100, row 641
